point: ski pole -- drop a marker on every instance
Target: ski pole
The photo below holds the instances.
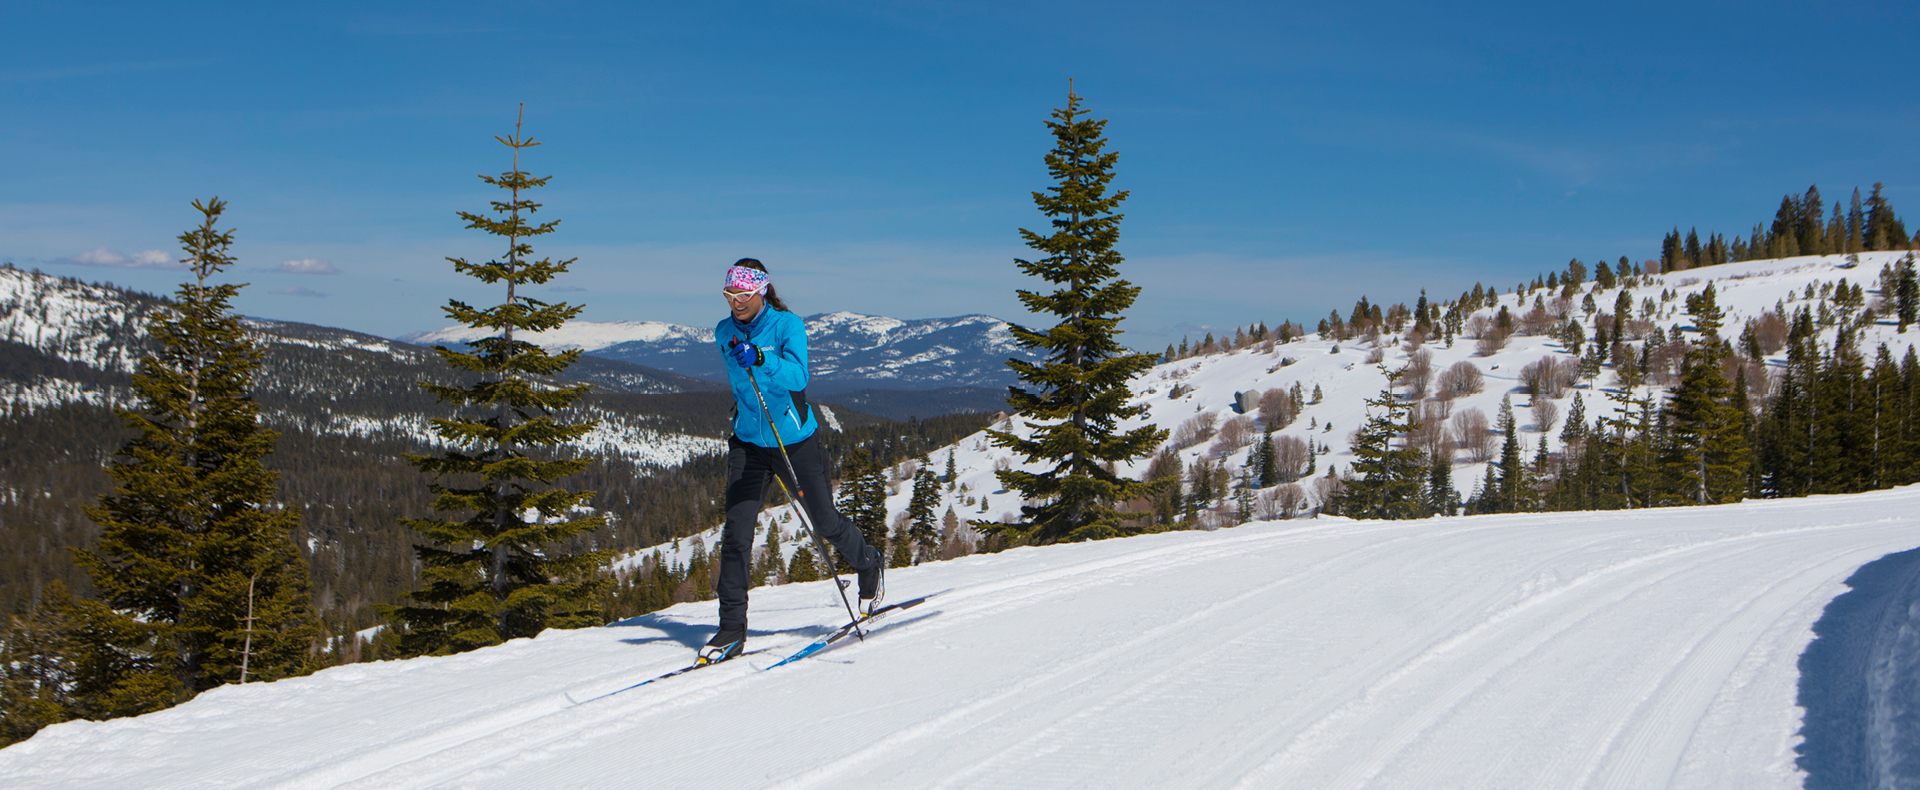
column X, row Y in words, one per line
column 819, row 544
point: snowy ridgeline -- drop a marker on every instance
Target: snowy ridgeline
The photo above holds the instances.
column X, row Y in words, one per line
column 1205, row 414
column 102, row 332
column 1651, row 648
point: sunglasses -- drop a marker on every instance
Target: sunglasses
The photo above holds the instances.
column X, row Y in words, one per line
column 738, row 296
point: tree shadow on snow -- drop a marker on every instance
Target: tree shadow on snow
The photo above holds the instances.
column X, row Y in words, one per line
column 1860, row 681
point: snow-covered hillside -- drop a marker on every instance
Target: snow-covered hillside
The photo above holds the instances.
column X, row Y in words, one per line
column 1643, row 649
column 1207, row 385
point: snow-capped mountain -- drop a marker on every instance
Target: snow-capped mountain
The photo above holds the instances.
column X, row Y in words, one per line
column 848, row 351
column 68, row 341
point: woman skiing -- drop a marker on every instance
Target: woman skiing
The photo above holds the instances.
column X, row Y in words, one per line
column 766, row 344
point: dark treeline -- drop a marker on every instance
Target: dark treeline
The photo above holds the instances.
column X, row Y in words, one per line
column 352, row 491
column 1801, row 226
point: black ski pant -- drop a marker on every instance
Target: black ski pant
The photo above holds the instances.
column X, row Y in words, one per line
column 750, row 471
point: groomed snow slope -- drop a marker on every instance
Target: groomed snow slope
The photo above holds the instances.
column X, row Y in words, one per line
column 1636, row 649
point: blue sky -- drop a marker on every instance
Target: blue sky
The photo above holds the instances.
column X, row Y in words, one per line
column 1283, row 159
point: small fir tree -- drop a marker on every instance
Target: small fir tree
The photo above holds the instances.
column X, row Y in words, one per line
column 490, row 573
column 1081, row 387
column 1442, row 499
column 1386, row 481
column 863, row 500
column 803, row 567
column 192, row 554
column 1268, row 463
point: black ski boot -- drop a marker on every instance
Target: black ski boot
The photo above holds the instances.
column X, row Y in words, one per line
column 873, row 586
column 729, row 642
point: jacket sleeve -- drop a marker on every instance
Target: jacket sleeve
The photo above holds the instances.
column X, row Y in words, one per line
column 786, row 365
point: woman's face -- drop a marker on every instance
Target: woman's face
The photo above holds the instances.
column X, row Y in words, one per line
column 744, row 304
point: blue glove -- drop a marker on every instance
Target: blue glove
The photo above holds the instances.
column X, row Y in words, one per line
column 746, row 354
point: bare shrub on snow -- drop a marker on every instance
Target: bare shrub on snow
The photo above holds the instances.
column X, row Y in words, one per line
column 1195, row 430
column 1290, row 457
column 1545, row 414
column 1478, row 326
column 1473, row 435
column 1535, row 321
column 1417, row 373
column 1276, row 408
column 1235, row 434
column 1550, row 376
column 1464, row 378
column 1490, row 342
column 1430, row 433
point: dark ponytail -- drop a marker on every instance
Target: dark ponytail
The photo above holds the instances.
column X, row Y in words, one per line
column 773, row 298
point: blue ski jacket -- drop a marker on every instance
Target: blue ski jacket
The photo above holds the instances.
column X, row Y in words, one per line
column 782, row 337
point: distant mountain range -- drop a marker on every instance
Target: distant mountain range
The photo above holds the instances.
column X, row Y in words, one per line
column 847, row 351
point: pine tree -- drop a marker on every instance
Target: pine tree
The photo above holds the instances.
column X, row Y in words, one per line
column 803, row 568
column 1509, row 491
column 492, row 575
column 1442, row 499
column 192, row 555
column 863, row 500
column 1387, row 481
column 926, row 496
column 1082, row 384
column 953, row 475
column 1906, row 293
column 1267, row 463
column 900, row 548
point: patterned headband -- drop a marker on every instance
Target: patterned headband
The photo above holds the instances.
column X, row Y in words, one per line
column 745, row 279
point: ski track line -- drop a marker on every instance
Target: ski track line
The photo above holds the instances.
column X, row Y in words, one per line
column 1077, row 668
column 821, row 774
column 1315, row 578
column 480, row 735
column 1317, row 571
column 1329, row 691
column 1642, row 725
column 1453, row 691
column 1306, row 744
column 1512, row 662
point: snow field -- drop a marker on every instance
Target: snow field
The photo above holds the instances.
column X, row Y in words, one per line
column 1629, row 649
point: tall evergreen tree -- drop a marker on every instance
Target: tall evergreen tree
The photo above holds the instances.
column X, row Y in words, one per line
column 1510, row 490
column 1082, row 390
column 490, row 573
column 1708, row 456
column 920, row 527
column 192, row 554
column 1906, row 293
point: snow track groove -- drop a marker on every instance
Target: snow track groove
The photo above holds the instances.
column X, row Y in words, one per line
column 1599, row 650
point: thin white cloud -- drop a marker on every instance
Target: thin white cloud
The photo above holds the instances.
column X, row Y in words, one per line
column 298, row 291
column 307, row 266
column 103, row 257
